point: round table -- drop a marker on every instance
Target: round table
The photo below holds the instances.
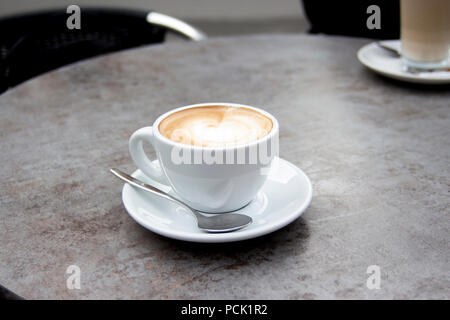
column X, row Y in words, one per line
column 377, row 152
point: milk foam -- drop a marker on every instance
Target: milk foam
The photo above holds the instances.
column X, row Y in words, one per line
column 215, row 126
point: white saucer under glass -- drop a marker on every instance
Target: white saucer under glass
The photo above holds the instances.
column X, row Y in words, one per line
column 391, row 65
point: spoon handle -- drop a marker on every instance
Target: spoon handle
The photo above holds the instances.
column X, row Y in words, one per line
column 141, row 185
column 387, row 45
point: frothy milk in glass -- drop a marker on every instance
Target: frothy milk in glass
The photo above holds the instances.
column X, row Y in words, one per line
column 425, row 32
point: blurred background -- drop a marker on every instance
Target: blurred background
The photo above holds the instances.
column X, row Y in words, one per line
column 214, row 17
column 46, row 37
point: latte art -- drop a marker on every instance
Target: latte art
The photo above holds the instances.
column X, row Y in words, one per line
column 215, row 126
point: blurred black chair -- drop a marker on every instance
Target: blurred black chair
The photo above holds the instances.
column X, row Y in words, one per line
column 349, row 17
column 32, row 44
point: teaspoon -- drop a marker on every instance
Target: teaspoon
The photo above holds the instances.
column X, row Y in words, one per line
column 224, row 222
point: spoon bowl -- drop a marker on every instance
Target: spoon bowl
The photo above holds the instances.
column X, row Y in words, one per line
column 223, row 222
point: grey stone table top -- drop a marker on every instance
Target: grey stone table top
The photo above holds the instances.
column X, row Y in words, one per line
column 377, row 152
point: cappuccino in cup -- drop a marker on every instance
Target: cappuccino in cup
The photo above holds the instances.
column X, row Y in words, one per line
column 215, row 126
column 236, row 145
column 425, row 33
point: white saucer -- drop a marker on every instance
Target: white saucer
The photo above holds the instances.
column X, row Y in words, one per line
column 283, row 198
column 388, row 64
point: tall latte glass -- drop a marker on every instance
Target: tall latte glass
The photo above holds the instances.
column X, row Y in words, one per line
column 425, row 33
column 214, row 156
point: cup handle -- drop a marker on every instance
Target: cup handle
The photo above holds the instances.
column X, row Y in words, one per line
column 136, row 149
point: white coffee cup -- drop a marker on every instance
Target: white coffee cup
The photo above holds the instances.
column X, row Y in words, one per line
column 209, row 187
